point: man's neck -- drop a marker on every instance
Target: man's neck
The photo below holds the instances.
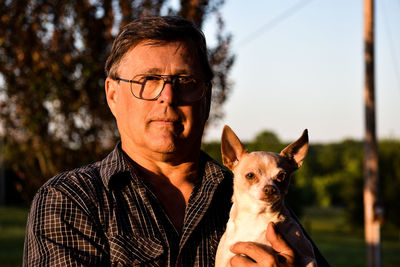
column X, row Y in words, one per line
column 171, row 181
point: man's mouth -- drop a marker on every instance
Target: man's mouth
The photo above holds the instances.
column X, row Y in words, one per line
column 173, row 123
column 166, row 122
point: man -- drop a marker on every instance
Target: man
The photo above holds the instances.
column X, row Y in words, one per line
column 156, row 200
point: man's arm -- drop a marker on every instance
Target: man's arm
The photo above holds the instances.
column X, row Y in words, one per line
column 61, row 232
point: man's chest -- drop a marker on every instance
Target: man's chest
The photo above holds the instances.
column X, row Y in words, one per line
column 140, row 231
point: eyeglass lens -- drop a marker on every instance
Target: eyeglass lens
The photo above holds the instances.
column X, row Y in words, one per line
column 150, row 87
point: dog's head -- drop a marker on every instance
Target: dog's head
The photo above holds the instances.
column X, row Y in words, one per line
column 262, row 176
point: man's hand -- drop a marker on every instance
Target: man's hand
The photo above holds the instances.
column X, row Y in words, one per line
column 279, row 254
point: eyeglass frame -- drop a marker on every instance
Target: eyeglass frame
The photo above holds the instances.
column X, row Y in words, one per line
column 170, row 80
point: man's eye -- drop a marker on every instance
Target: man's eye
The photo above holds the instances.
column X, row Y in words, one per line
column 185, row 80
column 144, row 78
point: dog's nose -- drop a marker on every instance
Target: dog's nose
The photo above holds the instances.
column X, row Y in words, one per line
column 269, row 189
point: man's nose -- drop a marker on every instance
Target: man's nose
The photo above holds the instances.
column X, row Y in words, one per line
column 167, row 94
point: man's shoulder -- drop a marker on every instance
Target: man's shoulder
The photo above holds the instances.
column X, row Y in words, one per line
column 88, row 172
column 93, row 174
column 88, row 180
column 85, row 179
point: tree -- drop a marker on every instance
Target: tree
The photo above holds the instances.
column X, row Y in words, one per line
column 267, row 141
column 389, row 171
column 52, row 104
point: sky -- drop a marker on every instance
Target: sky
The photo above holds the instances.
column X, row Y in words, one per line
column 299, row 64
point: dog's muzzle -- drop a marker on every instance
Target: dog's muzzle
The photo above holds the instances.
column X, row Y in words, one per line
column 271, row 193
column 270, row 190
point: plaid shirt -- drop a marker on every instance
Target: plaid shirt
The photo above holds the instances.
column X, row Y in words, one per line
column 105, row 215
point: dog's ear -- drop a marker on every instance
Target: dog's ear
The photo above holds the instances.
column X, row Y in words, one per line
column 297, row 150
column 231, row 148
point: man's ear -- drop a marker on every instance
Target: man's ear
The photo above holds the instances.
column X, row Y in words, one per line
column 297, row 150
column 111, row 93
column 231, row 148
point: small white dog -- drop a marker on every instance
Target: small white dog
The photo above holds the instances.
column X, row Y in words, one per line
column 261, row 180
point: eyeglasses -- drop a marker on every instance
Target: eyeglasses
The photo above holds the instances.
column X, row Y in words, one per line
column 149, row 86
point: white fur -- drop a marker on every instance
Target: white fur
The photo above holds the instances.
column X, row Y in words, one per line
column 252, row 207
column 247, row 226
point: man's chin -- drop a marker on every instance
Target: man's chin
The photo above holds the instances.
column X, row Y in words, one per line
column 171, row 143
column 164, row 149
column 170, row 149
column 164, row 143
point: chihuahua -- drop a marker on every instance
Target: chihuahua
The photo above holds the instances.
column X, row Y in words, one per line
column 260, row 183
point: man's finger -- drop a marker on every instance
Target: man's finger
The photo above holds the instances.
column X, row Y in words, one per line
column 239, row 260
column 254, row 253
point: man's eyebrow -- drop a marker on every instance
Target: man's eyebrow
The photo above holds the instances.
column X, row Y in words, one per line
column 158, row 71
column 182, row 71
column 152, row 71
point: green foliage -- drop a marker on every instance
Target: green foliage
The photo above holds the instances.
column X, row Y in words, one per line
column 265, row 141
column 389, row 173
column 214, row 150
column 53, row 113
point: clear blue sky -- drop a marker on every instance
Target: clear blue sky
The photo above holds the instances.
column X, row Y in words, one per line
column 305, row 69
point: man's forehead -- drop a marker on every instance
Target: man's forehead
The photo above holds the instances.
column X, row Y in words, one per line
column 180, row 45
column 150, row 57
column 174, row 48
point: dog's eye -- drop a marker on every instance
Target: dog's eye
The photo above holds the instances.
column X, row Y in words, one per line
column 279, row 178
column 250, row 176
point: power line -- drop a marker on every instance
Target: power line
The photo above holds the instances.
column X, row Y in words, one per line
column 391, row 46
column 275, row 21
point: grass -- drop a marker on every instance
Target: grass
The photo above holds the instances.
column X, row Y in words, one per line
column 12, row 233
column 341, row 244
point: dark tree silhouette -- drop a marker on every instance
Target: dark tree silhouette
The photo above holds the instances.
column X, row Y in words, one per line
column 52, row 103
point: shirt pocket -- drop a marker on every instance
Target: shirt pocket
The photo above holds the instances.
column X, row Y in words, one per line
column 134, row 250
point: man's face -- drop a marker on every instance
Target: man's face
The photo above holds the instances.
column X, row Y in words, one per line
column 162, row 127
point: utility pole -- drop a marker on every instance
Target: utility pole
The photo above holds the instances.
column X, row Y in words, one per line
column 372, row 209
